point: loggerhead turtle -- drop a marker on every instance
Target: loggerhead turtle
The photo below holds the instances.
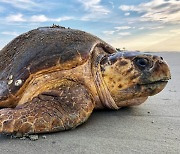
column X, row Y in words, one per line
column 51, row 79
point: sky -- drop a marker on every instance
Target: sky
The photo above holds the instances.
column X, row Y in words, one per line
column 145, row 25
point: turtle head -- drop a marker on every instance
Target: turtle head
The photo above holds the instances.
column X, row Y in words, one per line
column 133, row 76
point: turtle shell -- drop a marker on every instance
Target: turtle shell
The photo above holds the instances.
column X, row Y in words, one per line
column 42, row 49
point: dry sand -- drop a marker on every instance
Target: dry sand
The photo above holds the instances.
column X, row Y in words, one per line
column 152, row 127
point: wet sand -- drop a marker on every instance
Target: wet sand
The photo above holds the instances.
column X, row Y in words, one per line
column 152, row 127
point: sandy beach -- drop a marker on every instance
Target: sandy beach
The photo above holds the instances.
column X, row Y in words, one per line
column 152, row 127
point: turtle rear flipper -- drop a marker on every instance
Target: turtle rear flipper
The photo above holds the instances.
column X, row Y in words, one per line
column 58, row 109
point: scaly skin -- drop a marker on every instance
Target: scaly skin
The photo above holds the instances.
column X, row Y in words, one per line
column 131, row 76
column 58, row 109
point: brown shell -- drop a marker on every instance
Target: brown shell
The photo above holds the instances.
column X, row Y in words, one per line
column 41, row 49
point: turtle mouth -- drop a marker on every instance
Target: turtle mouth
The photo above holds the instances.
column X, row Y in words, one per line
column 158, row 82
column 152, row 88
column 142, row 90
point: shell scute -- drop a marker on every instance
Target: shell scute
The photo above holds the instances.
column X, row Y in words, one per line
column 42, row 49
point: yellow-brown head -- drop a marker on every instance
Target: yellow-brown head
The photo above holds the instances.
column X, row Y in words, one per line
column 133, row 76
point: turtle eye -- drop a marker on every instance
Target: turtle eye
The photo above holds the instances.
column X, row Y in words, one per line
column 142, row 62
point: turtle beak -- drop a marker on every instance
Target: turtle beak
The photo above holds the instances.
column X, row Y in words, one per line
column 162, row 70
column 155, row 74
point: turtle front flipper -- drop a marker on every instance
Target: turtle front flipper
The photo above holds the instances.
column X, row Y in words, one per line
column 62, row 108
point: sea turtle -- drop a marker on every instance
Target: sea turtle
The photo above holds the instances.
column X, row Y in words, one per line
column 51, row 79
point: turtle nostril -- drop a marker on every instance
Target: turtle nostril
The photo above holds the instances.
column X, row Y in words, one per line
column 142, row 62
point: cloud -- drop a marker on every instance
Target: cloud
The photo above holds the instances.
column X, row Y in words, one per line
column 157, row 10
column 164, row 40
column 10, row 33
column 124, row 33
column 94, row 9
column 175, row 31
column 110, row 32
column 151, row 28
column 30, row 5
column 122, row 28
column 127, row 14
column 15, row 18
column 127, row 8
column 94, row 6
column 22, row 4
column 117, row 30
column 35, row 18
column 43, row 18
column 167, row 45
column 39, row 18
